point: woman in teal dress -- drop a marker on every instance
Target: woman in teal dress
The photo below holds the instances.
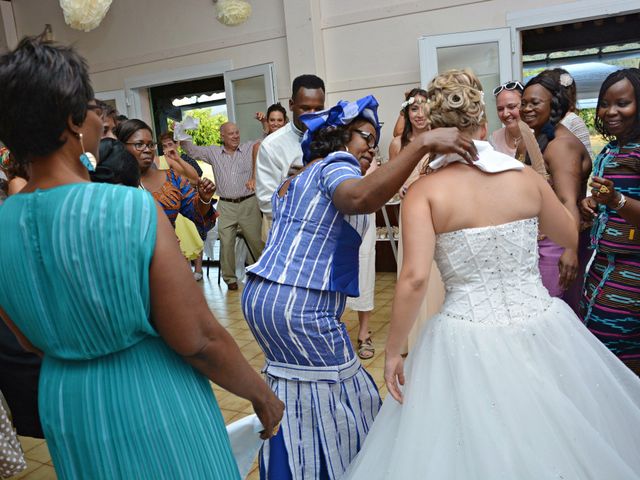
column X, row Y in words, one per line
column 95, row 275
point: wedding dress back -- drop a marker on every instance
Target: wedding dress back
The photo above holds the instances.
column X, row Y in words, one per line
column 504, row 382
column 491, row 273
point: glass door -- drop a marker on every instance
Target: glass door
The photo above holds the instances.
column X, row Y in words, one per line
column 115, row 98
column 486, row 52
column 249, row 90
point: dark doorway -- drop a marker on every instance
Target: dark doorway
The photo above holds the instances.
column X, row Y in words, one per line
column 166, row 104
column 589, row 51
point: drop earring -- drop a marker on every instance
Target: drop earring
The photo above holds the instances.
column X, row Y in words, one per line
column 87, row 158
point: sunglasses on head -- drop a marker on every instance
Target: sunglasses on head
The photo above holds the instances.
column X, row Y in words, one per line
column 514, row 85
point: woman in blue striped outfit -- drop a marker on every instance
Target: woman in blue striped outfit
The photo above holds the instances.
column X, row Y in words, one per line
column 296, row 292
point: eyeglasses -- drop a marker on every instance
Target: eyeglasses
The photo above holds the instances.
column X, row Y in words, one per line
column 514, row 85
column 96, row 108
column 139, row 146
column 370, row 138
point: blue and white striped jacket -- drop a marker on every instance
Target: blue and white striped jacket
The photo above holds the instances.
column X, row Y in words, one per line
column 312, row 244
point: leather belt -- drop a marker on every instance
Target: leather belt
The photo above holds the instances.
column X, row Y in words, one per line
column 237, row 200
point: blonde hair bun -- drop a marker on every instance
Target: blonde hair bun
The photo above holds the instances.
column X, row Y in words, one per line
column 456, row 99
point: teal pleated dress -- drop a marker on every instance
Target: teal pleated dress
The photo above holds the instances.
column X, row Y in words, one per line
column 115, row 401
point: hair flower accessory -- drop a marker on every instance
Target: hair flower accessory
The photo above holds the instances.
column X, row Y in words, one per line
column 407, row 102
column 566, row 80
column 84, row 15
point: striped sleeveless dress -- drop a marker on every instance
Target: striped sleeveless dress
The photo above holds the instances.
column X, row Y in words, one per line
column 610, row 304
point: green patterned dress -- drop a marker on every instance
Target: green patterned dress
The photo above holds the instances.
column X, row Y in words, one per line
column 115, row 401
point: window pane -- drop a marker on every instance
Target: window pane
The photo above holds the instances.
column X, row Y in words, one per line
column 249, row 98
column 483, row 59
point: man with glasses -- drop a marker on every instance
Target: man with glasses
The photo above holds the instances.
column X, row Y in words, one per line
column 232, row 165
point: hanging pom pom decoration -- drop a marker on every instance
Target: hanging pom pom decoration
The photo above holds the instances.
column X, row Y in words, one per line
column 84, row 15
column 233, row 12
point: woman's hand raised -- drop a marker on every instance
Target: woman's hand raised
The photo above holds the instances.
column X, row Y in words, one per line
column 206, row 189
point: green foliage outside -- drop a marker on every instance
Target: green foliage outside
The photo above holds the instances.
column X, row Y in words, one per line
column 208, row 132
column 588, row 115
column 598, row 142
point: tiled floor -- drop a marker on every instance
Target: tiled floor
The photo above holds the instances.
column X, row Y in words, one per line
column 226, row 307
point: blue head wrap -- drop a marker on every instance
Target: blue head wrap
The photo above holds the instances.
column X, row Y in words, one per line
column 341, row 114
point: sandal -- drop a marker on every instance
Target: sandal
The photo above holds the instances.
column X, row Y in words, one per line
column 365, row 349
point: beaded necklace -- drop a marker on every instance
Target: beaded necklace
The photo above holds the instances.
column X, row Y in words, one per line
column 603, row 160
column 607, row 158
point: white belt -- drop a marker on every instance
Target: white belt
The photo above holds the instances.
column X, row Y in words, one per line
column 309, row 373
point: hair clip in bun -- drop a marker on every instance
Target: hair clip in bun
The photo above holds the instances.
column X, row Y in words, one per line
column 566, row 80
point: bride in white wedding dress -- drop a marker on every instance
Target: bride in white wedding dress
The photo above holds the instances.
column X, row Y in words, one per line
column 505, row 382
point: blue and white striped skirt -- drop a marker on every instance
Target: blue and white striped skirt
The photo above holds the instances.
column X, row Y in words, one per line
column 330, row 404
column 297, row 326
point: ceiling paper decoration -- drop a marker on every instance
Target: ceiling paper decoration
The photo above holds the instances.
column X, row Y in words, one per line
column 233, row 12
column 84, row 15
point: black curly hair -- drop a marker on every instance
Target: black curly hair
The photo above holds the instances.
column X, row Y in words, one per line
column 116, row 165
column 329, row 139
column 633, row 75
column 571, row 90
column 560, row 103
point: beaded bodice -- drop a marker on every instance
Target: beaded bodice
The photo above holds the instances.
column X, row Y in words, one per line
column 491, row 273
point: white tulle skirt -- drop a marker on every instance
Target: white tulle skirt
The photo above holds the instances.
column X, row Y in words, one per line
column 538, row 400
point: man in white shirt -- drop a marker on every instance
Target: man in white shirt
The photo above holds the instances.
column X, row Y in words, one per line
column 280, row 152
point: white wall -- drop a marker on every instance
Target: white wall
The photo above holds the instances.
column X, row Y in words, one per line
column 357, row 46
column 372, row 45
column 147, row 36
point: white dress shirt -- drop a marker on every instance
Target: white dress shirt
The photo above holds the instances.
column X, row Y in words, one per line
column 277, row 154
